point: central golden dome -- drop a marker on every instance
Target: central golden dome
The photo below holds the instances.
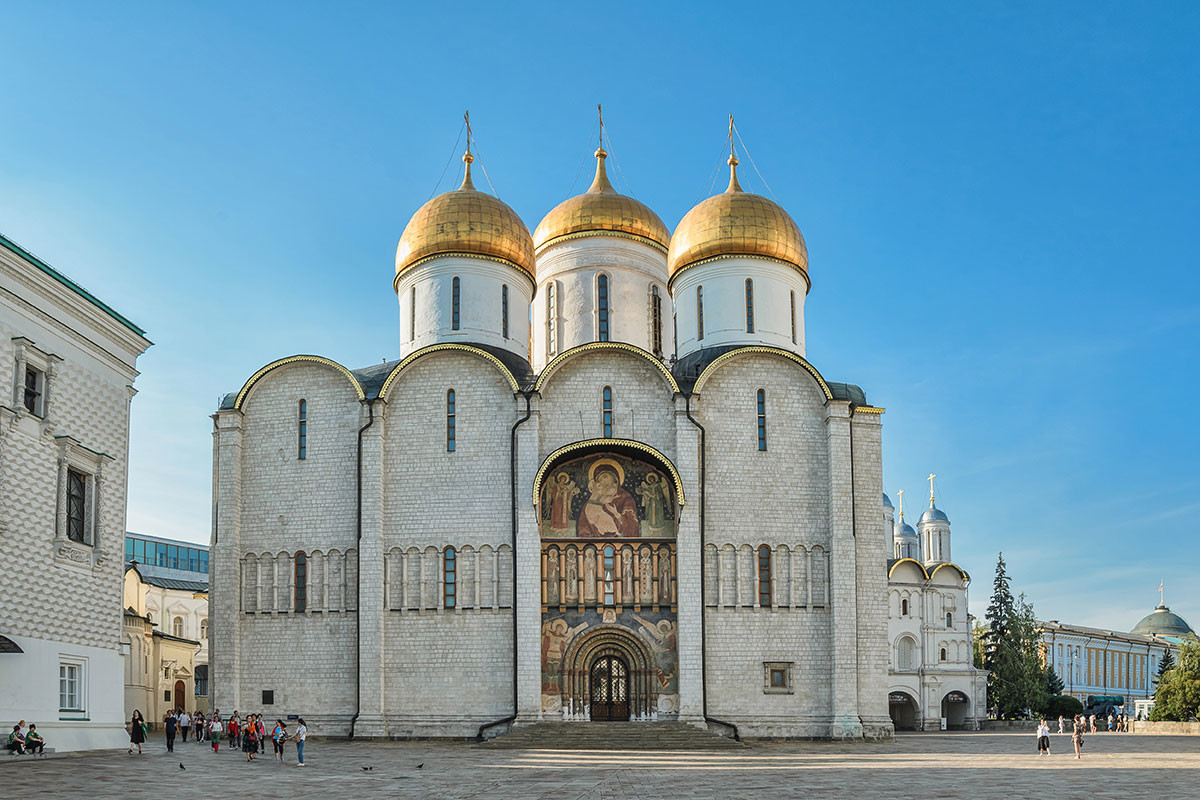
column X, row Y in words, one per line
column 601, row 211
column 465, row 222
column 736, row 223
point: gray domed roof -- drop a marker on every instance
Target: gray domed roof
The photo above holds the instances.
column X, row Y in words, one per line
column 902, row 530
column 1161, row 622
column 934, row 514
column 887, row 503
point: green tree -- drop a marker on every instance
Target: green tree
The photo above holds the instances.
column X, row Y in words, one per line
column 1168, row 661
column 1030, row 689
column 978, row 644
column 1054, row 684
column 1177, row 697
column 1002, row 651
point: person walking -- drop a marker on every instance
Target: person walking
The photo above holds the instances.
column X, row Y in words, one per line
column 300, row 736
column 198, row 727
column 185, row 722
column 279, row 735
column 214, row 731
column 262, row 733
column 137, row 731
column 1077, row 735
column 1043, row 738
column 171, row 726
column 233, row 729
column 1061, row 724
column 250, row 738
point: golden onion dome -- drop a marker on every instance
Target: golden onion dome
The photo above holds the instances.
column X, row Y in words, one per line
column 601, row 211
column 465, row 222
column 736, row 223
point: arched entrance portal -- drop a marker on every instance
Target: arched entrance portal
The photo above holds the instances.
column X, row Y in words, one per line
column 180, row 692
column 609, row 678
column 955, row 708
column 903, row 710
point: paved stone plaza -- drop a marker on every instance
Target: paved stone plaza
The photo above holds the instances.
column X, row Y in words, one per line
column 956, row 765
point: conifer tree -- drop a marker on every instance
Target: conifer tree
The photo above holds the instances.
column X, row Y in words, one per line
column 1168, row 661
column 999, row 656
column 1054, row 684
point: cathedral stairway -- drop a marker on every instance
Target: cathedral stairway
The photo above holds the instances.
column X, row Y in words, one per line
column 611, row 736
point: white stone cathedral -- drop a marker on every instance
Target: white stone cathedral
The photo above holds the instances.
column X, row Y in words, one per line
column 600, row 482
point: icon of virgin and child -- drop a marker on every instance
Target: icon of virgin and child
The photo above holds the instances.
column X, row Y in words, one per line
column 608, row 509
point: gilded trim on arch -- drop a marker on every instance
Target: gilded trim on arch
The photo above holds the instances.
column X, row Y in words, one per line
column 779, row 351
column 961, row 571
column 583, row 348
column 434, row 348
column 550, row 460
column 920, row 566
column 588, row 234
column 256, row 377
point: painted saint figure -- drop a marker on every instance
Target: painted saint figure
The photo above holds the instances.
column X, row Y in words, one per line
column 558, row 495
column 654, row 497
column 556, row 635
column 610, row 511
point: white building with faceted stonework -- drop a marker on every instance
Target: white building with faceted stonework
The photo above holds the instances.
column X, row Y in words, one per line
column 600, row 481
column 70, row 362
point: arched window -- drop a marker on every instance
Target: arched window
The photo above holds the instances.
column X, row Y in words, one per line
column 749, row 306
column 455, row 301
column 762, row 419
column 551, row 319
column 655, row 321
column 602, row 306
column 764, row 576
column 943, row 654
column 412, row 314
column 203, row 629
column 177, row 627
column 905, row 654
column 504, row 310
column 449, row 577
column 904, row 607
column 949, row 620
column 607, row 412
column 610, row 572
column 302, row 431
column 450, row 422
column 301, row 581
column 793, row 293
column 699, row 312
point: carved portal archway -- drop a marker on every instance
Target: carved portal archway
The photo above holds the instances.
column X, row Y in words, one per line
column 594, row 646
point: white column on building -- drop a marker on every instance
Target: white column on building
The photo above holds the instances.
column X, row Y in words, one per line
column 528, row 575
column 689, row 555
column 371, row 722
column 843, row 577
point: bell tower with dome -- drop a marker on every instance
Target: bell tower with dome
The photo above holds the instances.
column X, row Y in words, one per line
column 601, row 274
column 464, row 272
column 738, row 273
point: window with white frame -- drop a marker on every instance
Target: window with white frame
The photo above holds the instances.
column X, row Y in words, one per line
column 177, row 627
column 71, row 695
column 33, row 390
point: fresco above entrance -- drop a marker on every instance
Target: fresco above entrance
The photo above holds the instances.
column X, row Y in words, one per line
column 607, row 496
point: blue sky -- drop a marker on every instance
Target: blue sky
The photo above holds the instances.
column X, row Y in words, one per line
column 999, row 200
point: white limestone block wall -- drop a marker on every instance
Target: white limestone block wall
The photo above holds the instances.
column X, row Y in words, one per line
column 775, row 287
column 634, row 271
column 428, row 316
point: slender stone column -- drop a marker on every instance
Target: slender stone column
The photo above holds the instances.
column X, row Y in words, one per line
column 225, row 672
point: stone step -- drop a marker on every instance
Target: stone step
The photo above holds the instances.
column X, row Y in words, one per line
column 611, row 736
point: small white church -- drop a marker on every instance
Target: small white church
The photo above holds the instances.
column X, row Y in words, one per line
column 600, row 481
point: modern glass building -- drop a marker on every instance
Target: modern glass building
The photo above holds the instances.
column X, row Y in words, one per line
column 165, row 553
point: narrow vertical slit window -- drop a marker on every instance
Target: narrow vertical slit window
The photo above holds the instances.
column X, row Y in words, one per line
column 449, row 578
column 602, row 306
column 699, row 312
column 450, row 421
column 793, row 293
column 412, row 314
column 608, row 412
column 504, row 310
column 302, row 431
column 749, row 306
column 762, row 420
column 301, row 582
column 455, row 300
column 656, row 321
column 551, row 320
column 610, row 572
column 764, row 576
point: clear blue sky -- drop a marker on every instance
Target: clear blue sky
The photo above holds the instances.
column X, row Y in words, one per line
column 1000, row 202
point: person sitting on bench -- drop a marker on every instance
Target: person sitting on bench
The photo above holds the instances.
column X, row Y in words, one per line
column 34, row 741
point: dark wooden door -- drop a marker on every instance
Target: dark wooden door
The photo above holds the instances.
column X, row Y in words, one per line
column 180, row 688
column 610, row 690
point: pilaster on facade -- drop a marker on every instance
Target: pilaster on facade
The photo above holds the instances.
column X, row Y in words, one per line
column 371, row 634
column 843, row 576
column 871, row 545
column 689, row 561
column 528, row 577
column 225, row 562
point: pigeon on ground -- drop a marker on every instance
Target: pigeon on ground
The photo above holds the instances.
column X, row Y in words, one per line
column 364, row 769
column 420, row 765
column 181, row 766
